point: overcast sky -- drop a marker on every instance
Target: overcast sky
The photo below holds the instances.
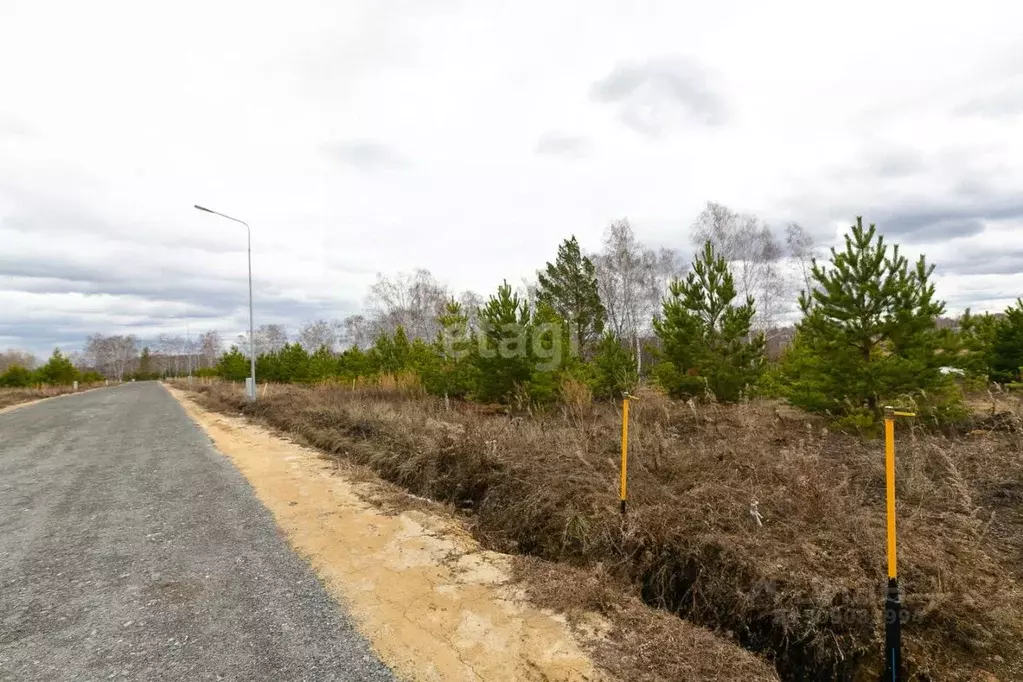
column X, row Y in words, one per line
column 470, row 137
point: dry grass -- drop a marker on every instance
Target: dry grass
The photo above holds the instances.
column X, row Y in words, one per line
column 636, row 643
column 15, row 396
column 804, row 588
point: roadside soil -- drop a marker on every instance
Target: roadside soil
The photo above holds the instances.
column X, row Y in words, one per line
column 434, row 605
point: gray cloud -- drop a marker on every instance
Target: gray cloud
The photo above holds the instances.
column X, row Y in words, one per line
column 558, row 144
column 984, row 259
column 365, row 155
column 146, row 318
column 1006, row 101
column 897, row 163
column 928, row 225
column 938, row 222
column 659, row 94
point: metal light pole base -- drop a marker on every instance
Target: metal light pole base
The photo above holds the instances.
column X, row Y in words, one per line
column 250, row 388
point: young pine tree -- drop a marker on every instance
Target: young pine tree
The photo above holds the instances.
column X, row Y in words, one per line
column 976, row 339
column 569, row 286
column 1007, row 351
column 323, row 364
column 453, row 376
column 503, row 362
column 145, row 371
column 393, row 353
column 868, row 333
column 293, row 363
column 58, row 370
column 233, row 365
column 17, row 376
column 708, row 344
column 355, row 362
column 614, row 368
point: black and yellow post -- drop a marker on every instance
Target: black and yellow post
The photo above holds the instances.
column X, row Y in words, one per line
column 892, row 603
column 623, row 494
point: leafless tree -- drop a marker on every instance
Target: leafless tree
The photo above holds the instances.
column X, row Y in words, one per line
column 270, row 338
column 753, row 253
column 632, row 280
column 112, row 356
column 356, row 330
column 529, row 291
column 412, row 301
column 801, row 249
column 317, row 334
column 471, row 302
column 170, row 353
column 210, row 346
column 664, row 266
column 13, row 357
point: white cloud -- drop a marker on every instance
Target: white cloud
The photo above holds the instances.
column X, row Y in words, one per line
column 120, row 116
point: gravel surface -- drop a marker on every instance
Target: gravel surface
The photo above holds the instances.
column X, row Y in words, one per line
column 131, row 549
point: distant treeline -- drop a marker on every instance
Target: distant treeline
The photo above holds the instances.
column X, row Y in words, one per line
column 864, row 328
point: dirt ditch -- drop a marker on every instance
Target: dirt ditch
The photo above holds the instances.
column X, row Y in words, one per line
column 436, row 605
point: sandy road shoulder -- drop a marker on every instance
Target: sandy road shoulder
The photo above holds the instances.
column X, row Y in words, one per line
column 432, row 602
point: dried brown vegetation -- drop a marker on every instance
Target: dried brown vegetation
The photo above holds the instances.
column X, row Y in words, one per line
column 803, row 588
column 15, row 396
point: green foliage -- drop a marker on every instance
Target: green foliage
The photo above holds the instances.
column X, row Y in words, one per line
column 614, row 368
column 323, row 364
column 355, row 362
column 292, row 364
column 92, row 377
column 17, row 376
column 569, row 287
column 58, row 370
column 868, row 333
column 1007, row 349
column 977, row 337
column 145, row 370
column 859, row 420
column 393, row 353
column 453, row 373
column 233, row 365
column 502, row 361
column 771, row 383
column 708, row 343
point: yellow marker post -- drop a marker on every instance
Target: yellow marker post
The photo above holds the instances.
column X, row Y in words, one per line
column 889, row 466
column 624, row 490
column 892, row 605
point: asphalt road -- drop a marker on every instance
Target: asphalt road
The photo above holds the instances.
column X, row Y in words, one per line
column 131, row 549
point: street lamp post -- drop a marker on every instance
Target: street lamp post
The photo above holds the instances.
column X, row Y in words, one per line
column 251, row 388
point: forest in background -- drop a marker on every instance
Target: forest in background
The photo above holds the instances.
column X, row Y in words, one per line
column 753, row 314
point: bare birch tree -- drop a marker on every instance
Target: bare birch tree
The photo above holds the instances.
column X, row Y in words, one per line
column 357, row 331
column 112, row 356
column 471, row 302
column 753, row 252
column 317, row 334
column 632, row 280
column 210, row 347
column 801, row 249
column 13, row 357
column 411, row 301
